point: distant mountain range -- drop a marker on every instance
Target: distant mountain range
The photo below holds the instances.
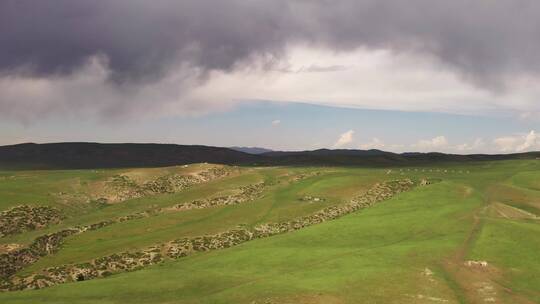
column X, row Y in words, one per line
column 251, row 150
column 96, row 155
column 122, row 155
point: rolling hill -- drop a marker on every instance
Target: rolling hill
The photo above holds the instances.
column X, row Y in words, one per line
column 204, row 233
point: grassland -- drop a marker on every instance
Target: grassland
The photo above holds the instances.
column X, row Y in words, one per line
column 427, row 245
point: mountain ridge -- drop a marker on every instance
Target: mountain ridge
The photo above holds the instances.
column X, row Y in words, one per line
column 82, row 155
column 251, row 150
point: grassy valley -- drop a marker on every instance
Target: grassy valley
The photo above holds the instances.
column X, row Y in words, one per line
column 461, row 233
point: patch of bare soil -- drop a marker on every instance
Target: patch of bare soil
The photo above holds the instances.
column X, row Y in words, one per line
column 430, row 290
column 479, row 283
column 509, row 212
column 478, row 280
column 466, row 191
column 512, row 196
column 6, row 248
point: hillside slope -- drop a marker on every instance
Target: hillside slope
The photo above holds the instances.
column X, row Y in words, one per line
column 468, row 235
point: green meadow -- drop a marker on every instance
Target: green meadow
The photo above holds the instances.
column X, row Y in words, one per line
column 471, row 237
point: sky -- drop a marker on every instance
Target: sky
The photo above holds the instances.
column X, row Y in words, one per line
column 417, row 75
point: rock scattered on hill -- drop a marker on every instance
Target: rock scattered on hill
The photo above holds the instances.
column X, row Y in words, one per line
column 129, row 261
column 309, row 198
column 14, row 260
column 247, row 193
column 25, row 218
column 303, row 176
column 476, row 263
column 121, row 187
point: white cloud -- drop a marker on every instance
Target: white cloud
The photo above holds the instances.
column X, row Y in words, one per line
column 475, row 146
column 531, row 141
column 518, row 143
column 376, row 79
column 506, row 144
column 276, row 122
column 362, row 78
column 375, row 143
column 344, row 139
column 435, row 144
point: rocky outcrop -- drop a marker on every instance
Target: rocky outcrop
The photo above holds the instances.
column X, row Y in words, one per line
column 476, row 263
column 309, row 198
column 129, row 261
column 247, row 193
column 379, row 192
column 186, row 246
column 25, row 218
column 122, row 187
column 302, row 176
column 13, row 261
column 101, row 267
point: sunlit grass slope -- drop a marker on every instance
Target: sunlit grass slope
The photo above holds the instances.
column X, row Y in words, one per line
column 413, row 248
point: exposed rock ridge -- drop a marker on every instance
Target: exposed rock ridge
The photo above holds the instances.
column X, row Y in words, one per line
column 25, row 218
column 247, row 193
column 12, row 262
column 129, row 261
column 122, row 187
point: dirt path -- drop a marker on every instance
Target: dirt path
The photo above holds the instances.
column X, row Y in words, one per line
column 477, row 281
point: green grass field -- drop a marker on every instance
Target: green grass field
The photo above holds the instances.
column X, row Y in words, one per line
column 426, row 245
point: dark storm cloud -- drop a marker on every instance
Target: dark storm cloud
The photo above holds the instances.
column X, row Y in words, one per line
column 483, row 39
column 142, row 41
column 139, row 38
